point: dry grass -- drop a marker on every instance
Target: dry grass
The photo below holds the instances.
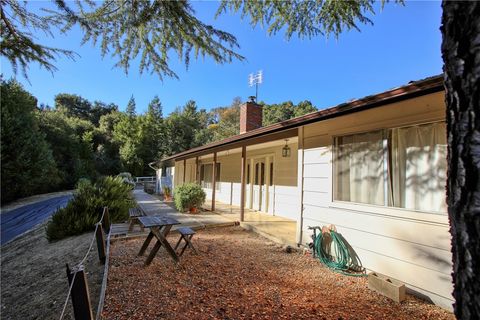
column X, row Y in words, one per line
column 240, row 275
column 34, row 280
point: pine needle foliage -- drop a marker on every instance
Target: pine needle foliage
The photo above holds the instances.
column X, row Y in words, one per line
column 305, row 19
column 18, row 44
column 148, row 32
column 151, row 29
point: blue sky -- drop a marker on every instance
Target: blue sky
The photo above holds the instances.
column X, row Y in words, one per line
column 402, row 45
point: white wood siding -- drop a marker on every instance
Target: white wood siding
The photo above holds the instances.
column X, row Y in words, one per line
column 413, row 247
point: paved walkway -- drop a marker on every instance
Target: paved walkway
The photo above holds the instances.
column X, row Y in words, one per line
column 151, row 205
column 275, row 228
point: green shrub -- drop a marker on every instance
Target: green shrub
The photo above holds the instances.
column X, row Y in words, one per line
column 189, row 195
column 86, row 207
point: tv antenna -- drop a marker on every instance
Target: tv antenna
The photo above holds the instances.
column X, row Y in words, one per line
column 255, row 79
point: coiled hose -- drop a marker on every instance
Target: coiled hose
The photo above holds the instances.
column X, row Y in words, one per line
column 344, row 260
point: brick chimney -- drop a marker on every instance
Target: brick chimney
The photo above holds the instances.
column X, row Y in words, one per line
column 250, row 116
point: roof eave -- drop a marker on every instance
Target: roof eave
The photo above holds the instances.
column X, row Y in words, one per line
column 411, row 90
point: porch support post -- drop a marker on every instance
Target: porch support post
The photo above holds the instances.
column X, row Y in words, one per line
column 197, row 176
column 299, row 230
column 184, row 169
column 242, row 177
column 214, row 179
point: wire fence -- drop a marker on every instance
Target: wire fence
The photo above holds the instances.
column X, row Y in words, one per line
column 79, row 265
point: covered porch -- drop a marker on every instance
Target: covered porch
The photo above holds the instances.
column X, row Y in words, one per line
column 254, row 182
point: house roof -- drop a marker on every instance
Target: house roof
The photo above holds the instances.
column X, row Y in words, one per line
column 412, row 89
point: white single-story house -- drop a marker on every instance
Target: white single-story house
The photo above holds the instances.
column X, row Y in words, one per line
column 374, row 167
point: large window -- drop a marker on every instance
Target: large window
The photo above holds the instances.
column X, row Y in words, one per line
column 206, row 174
column 401, row 167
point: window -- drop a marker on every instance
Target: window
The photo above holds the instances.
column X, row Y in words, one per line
column 248, row 173
column 206, row 174
column 418, row 162
column 400, row 167
column 217, row 177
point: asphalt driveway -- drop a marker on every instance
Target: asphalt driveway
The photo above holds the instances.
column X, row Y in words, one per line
column 20, row 220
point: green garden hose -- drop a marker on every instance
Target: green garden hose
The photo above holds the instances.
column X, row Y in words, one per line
column 343, row 259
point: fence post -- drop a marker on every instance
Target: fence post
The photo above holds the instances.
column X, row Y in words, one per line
column 106, row 220
column 80, row 297
column 100, row 243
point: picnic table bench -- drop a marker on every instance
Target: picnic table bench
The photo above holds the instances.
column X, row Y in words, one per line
column 134, row 214
column 186, row 234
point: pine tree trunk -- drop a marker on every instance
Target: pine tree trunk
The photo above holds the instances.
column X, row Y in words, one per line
column 461, row 56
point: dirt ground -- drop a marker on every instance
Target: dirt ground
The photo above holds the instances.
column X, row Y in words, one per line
column 240, row 275
column 33, row 275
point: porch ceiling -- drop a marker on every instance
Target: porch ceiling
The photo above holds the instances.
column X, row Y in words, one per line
column 265, row 145
column 277, row 138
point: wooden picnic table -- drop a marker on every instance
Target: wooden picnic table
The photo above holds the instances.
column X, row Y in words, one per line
column 159, row 226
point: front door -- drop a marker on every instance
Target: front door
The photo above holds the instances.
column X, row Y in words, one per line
column 259, row 186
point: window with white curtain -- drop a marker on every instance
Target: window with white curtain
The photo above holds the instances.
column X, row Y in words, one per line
column 206, row 174
column 401, row 167
column 359, row 168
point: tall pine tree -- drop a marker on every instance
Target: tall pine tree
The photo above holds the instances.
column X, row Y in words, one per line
column 152, row 132
column 131, row 106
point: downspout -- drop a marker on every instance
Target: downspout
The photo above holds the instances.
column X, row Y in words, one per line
column 158, row 183
column 151, row 166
